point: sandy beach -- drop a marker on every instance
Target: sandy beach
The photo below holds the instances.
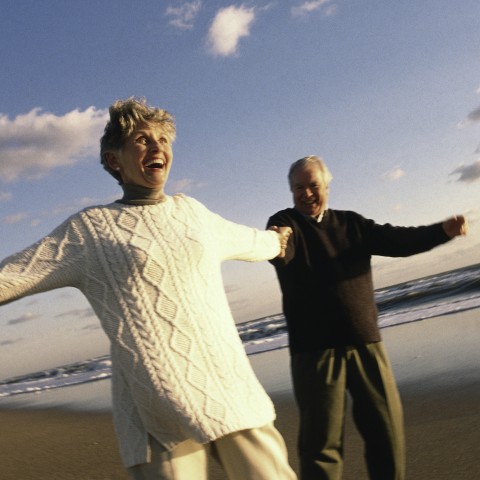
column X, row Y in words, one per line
column 440, row 388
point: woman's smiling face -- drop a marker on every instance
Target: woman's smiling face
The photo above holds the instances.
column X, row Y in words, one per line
column 145, row 158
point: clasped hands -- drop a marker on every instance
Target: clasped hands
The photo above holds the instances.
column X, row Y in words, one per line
column 283, row 235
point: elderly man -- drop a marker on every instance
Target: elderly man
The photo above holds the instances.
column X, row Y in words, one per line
column 335, row 344
column 149, row 264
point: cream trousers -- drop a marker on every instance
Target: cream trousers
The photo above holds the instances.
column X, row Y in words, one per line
column 255, row 454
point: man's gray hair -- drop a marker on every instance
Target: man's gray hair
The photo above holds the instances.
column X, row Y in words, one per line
column 311, row 160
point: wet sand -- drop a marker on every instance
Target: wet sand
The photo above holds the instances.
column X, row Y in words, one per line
column 440, row 388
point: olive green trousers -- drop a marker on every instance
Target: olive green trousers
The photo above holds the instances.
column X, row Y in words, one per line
column 321, row 381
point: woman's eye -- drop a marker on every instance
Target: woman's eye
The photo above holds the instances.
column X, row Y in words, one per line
column 141, row 140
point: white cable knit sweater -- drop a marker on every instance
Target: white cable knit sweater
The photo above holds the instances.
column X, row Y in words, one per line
column 153, row 276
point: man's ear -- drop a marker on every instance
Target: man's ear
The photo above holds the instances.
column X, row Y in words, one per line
column 112, row 161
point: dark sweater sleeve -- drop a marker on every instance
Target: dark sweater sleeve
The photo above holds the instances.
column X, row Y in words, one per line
column 392, row 241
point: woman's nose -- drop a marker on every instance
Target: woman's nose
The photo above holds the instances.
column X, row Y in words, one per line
column 156, row 145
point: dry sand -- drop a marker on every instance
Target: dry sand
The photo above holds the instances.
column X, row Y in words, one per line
column 442, row 418
column 442, row 437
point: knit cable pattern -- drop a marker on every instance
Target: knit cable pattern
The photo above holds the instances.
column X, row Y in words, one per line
column 153, row 277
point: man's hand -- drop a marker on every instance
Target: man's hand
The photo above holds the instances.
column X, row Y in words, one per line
column 455, row 226
column 283, row 234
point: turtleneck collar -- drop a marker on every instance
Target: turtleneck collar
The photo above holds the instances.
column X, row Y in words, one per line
column 137, row 195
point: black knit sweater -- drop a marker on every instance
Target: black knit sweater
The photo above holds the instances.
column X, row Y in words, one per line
column 326, row 277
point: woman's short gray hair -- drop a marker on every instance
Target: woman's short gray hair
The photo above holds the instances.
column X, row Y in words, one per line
column 125, row 117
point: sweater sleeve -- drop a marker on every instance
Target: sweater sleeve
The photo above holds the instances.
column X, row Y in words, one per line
column 238, row 242
column 393, row 241
column 46, row 265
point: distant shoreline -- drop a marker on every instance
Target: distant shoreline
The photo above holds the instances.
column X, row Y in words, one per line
column 454, row 292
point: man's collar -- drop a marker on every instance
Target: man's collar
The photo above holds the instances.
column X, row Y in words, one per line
column 311, row 218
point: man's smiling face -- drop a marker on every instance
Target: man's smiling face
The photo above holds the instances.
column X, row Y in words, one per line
column 310, row 193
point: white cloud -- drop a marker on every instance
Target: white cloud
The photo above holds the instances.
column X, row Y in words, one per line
column 228, row 27
column 473, row 215
column 184, row 16
column 472, row 117
column 15, row 218
column 183, row 185
column 330, row 10
column 35, row 143
column 308, row 7
column 61, row 210
column 396, row 174
column 468, row 173
column 79, row 203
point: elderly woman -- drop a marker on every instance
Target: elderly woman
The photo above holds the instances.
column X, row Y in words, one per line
column 149, row 264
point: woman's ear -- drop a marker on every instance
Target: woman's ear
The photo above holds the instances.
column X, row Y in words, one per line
column 112, row 160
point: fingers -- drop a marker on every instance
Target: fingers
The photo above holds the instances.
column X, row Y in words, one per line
column 284, row 232
column 464, row 227
column 461, row 224
column 287, row 231
column 457, row 225
column 283, row 235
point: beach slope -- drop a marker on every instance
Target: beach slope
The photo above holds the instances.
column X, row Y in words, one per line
column 436, row 362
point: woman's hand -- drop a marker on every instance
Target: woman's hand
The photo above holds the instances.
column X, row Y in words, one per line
column 283, row 235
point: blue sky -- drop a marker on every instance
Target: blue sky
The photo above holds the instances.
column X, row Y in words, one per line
column 388, row 93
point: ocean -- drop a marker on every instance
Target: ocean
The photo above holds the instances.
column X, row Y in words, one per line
column 424, row 298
